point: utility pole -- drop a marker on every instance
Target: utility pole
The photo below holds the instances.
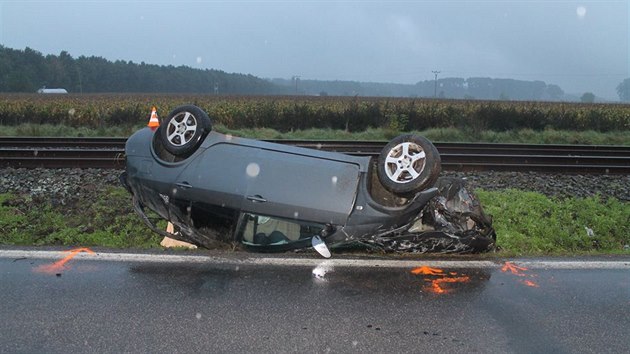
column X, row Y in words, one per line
column 296, row 78
column 435, row 89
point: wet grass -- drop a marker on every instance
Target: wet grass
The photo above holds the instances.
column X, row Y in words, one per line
column 528, row 136
column 60, row 130
column 527, row 223
column 103, row 218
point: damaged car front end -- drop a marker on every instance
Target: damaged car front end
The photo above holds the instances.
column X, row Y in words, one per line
column 271, row 197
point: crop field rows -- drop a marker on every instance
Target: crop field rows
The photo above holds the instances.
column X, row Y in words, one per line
column 284, row 113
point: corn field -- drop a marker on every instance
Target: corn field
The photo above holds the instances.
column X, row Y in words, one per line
column 285, row 114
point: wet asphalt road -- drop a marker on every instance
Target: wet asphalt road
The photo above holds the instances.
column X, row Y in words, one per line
column 137, row 306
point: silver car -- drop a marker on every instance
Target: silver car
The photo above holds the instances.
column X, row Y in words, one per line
column 215, row 187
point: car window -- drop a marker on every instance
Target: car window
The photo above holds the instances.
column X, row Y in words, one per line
column 260, row 230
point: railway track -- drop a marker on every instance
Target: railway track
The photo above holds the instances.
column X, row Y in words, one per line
column 32, row 152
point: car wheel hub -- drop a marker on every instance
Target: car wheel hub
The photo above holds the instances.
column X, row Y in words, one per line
column 405, row 162
column 181, row 129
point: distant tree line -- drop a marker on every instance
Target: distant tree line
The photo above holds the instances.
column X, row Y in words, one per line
column 452, row 88
column 28, row 70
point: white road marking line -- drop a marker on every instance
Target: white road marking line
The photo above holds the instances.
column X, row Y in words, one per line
column 336, row 262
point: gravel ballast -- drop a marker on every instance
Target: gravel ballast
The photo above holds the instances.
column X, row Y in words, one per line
column 68, row 183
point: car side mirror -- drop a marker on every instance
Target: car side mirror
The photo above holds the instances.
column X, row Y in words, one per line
column 320, row 246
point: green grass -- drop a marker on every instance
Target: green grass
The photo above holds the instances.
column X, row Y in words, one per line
column 66, row 131
column 528, row 136
column 107, row 220
column 529, row 223
column 526, row 223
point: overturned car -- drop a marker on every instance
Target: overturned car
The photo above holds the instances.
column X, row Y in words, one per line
column 219, row 188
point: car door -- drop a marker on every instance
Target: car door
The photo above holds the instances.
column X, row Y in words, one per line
column 214, row 182
column 299, row 186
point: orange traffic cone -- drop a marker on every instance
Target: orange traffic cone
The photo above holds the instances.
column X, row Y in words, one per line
column 153, row 122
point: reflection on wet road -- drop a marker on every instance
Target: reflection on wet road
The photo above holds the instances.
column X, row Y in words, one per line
column 59, row 266
column 104, row 306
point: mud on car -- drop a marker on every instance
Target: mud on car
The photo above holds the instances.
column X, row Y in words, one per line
column 215, row 187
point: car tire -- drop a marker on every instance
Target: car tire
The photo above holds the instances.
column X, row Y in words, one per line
column 184, row 129
column 408, row 164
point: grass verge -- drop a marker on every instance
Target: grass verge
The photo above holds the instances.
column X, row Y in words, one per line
column 526, row 136
column 527, row 223
column 105, row 218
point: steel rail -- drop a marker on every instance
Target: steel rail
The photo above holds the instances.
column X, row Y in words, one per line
column 34, row 152
column 343, row 146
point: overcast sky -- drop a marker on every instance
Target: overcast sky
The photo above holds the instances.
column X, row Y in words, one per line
column 579, row 45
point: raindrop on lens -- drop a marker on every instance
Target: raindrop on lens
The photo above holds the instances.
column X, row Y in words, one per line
column 253, row 169
column 581, row 12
